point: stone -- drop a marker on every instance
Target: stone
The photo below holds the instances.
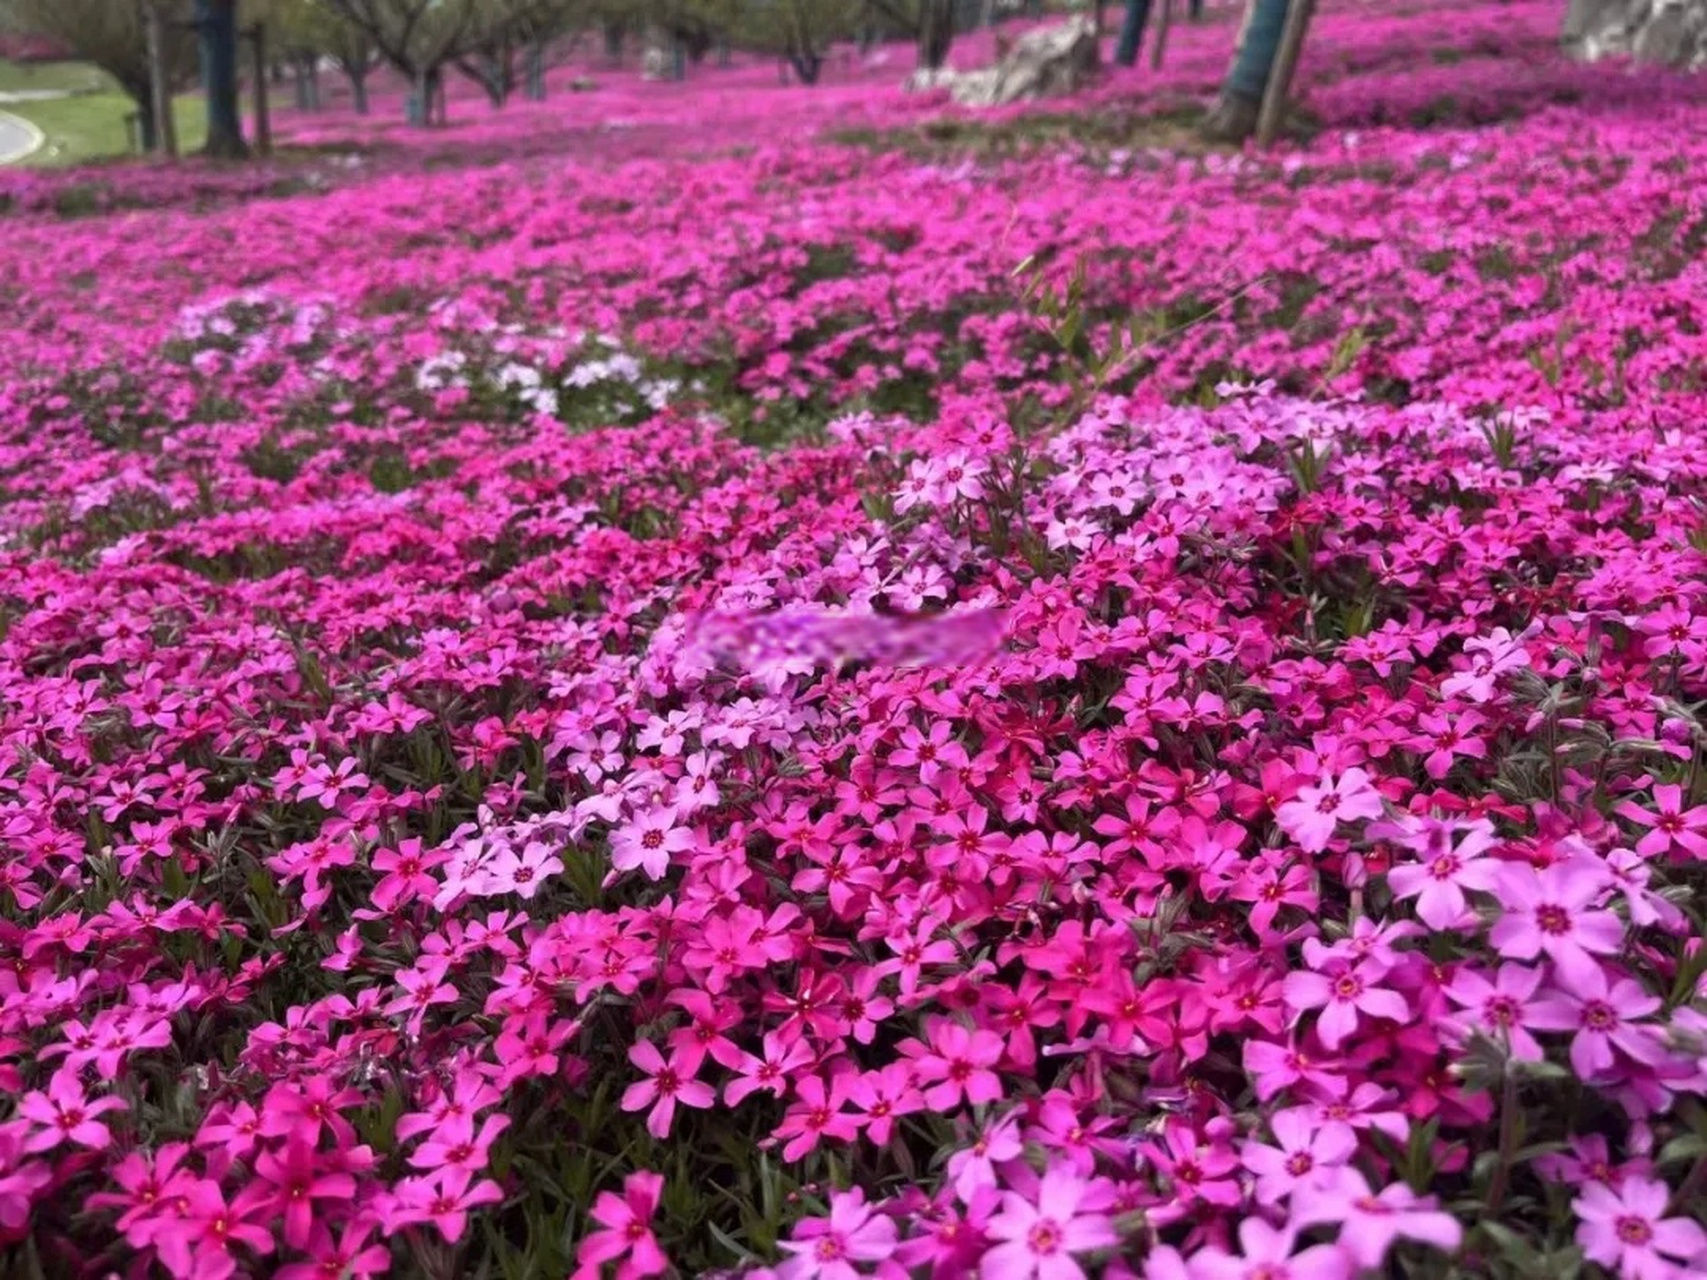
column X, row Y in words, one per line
column 1669, row 33
column 1047, row 62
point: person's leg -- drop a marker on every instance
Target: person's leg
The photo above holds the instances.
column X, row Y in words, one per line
column 1235, row 116
column 1132, row 32
column 1248, row 76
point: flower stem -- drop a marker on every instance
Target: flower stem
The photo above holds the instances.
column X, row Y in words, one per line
column 1501, row 1180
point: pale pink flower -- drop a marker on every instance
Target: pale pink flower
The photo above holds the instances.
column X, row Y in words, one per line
column 1266, row 1253
column 1311, row 817
column 1344, row 994
column 1603, row 1015
column 1551, row 912
column 1037, row 1237
column 1627, row 1230
column 832, row 1248
column 1369, row 1222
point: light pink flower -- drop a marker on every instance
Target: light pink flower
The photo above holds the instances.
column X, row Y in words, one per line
column 1311, row 817
column 1627, row 1230
column 1550, row 912
column 1038, row 1236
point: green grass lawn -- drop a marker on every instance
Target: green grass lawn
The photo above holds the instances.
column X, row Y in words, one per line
column 90, row 125
column 65, row 77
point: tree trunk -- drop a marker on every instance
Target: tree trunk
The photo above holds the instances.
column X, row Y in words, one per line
column 807, row 65
column 418, row 107
column 155, row 100
column 613, row 43
column 936, row 33
column 536, row 71
column 307, row 66
column 148, row 137
column 358, row 87
column 216, row 21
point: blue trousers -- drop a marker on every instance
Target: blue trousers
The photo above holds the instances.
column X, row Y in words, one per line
column 1132, row 28
column 1259, row 41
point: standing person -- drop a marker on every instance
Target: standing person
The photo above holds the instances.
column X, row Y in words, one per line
column 1132, row 26
column 1234, row 117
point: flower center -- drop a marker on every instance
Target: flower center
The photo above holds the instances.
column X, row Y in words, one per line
column 1045, row 1237
column 1635, row 1231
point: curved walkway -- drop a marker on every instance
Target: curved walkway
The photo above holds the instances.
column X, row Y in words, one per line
column 18, row 138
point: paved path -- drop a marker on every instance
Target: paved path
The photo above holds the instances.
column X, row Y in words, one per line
column 18, row 138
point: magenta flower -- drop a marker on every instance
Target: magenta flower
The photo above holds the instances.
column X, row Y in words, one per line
column 1312, row 815
column 65, row 1113
column 817, row 1113
column 1551, row 913
column 973, row 1168
column 1626, row 1230
column 1671, row 828
column 1036, row 1237
column 298, row 1176
column 626, row 1220
column 833, row 1248
column 1489, row 659
column 666, row 1084
column 959, row 1064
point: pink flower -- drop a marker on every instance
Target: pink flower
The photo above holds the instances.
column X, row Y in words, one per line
column 1672, row 828
column 297, row 1175
column 67, row 1114
column 830, row 1248
column 771, row 1073
column 648, row 842
column 1304, row 1150
column 1501, row 1008
column 1310, row 817
column 1036, row 1237
column 974, row 1167
column 1489, row 659
column 1548, row 913
column 1604, row 1017
column 961, row 1064
column 666, row 1084
column 348, row 1257
column 444, row 1198
column 1626, row 1229
column 523, row 873
column 1370, row 1223
column 1266, row 1253
column 1438, row 880
column 627, row 1234
column 1343, row 994
column 817, row 1113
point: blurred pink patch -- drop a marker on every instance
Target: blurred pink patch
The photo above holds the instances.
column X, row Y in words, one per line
column 818, row 636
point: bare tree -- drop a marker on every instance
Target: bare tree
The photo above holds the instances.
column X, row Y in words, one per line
column 930, row 23
column 113, row 35
column 421, row 38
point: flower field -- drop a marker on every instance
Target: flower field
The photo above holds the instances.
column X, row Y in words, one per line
column 480, row 798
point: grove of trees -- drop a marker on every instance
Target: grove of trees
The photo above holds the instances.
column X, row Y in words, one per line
column 152, row 48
